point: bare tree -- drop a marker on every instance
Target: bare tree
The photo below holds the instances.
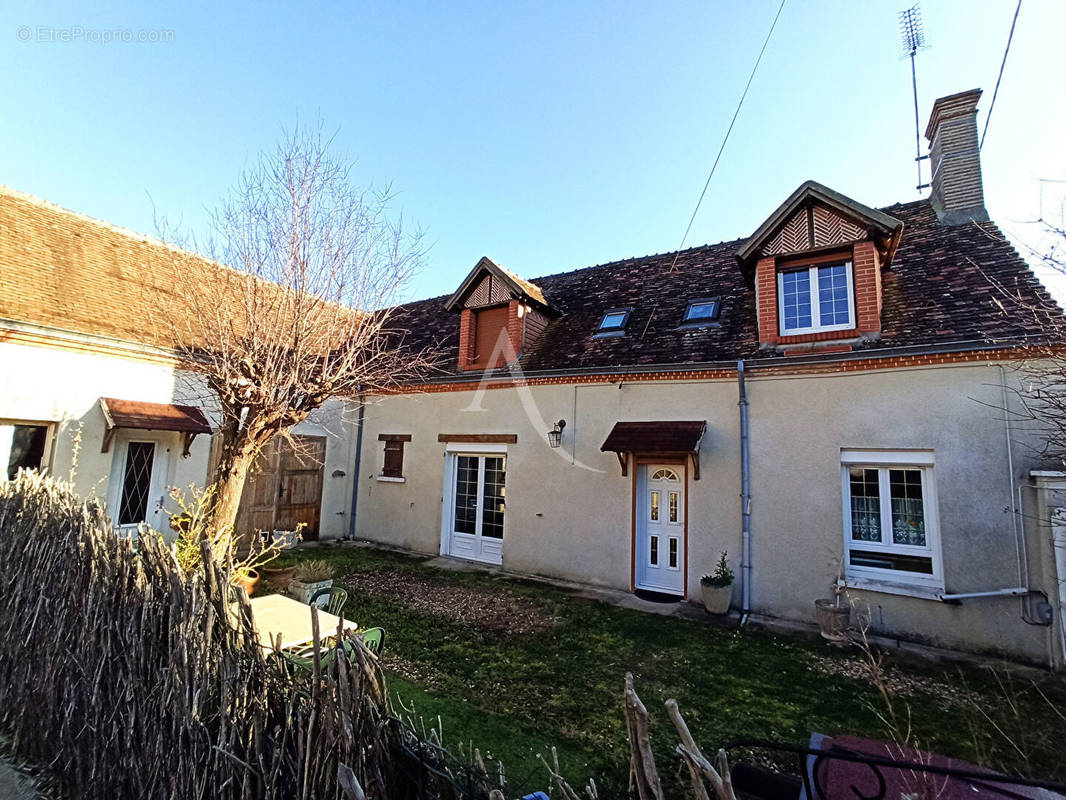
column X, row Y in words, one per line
column 1041, row 397
column 296, row 307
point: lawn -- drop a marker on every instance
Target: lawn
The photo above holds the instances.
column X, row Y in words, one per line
column 515, row 667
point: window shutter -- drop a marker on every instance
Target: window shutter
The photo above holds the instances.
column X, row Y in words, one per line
column 393, row 466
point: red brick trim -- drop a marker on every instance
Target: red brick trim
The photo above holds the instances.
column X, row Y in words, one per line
column 466, row 339
column 786, row 368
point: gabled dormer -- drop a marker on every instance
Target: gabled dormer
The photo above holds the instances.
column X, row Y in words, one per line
column 501, row 316
column 816, row 264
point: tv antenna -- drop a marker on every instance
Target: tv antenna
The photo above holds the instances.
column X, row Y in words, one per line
column 912, row 37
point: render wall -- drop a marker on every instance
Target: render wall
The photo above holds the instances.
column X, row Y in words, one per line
column 63, row 387
column 569, row 511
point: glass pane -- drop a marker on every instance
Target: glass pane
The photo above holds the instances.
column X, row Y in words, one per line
column 673, row 552
column 136, row 483
column 27, row 448
column 466, row 471
column 908, row 513
column 654, row 506
column 833, row 308
column 673, row 506
column 701, row 311
column 796, row 299
column 493, row 506
column 653, row 556
column 664, row 475
column 894, row 561
column 614, row 320
column 865, row 505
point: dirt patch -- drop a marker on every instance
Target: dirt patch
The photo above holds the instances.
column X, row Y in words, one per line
column 484, row 609
column 899, row 684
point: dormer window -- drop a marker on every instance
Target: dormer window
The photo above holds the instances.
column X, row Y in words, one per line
column 614, row 322
column 700, row 313
column 815, row 299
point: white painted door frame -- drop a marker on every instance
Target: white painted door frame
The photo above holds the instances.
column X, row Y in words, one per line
column 474, row 547
column 660, row 526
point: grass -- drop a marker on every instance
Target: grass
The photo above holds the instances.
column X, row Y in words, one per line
column 514, row 696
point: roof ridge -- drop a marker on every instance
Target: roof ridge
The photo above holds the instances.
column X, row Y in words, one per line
column 104, row 224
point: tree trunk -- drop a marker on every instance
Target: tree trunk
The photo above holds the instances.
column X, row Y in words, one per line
column 235, row 462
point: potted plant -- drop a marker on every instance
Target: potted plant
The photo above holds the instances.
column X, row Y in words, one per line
column 717, row 588
column 308, row 578
column 834, row 613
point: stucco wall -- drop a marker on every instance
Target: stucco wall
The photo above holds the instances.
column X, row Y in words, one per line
column 569, row 510
column 64, row 387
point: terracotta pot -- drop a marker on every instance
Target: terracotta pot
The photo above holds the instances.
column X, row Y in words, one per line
column 716, row 599
column 280, row 576
column 247, row 582
column 833, row 619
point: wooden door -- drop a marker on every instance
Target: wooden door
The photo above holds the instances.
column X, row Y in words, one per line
column 284, row 488
column 300, row 466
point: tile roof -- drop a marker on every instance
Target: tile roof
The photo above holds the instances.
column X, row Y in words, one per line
column 65, row 270
column 936, row 292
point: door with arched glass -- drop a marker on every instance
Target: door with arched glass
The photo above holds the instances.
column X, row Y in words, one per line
column 660, row 528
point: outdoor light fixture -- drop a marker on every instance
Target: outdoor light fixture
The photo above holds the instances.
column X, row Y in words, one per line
column 555, row 435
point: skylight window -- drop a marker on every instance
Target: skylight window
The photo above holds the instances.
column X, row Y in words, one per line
column 703, row 311
column 614, row 322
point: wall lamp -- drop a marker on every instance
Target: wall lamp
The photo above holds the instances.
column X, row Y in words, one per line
column 555, row 435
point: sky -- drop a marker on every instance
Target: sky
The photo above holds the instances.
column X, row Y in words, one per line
column 548, row 136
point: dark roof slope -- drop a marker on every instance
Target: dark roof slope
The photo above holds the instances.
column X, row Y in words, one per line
column 938, row 290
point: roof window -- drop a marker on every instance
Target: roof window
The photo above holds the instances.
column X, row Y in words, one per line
column 703, row 311
column 614, row 322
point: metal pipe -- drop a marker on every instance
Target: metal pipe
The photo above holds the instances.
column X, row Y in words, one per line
column 1017, row 591
column 358, row 467
column 745, row 494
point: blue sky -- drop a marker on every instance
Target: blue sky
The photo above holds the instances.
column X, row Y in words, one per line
column 547, row 135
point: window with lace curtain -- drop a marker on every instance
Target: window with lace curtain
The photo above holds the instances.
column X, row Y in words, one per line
column 890, row 517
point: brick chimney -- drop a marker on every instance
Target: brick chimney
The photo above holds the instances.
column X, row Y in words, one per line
column 958, row 196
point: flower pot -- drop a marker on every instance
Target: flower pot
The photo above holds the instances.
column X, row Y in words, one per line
column 247, row 581
column 716, row 599
column 833, row 619
column 303, row 591
column 279, row 576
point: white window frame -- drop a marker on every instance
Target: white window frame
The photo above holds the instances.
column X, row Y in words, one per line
column 816, row 315
column 882, row 461
column 49, row 438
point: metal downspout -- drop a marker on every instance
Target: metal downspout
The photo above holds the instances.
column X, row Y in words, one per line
column 745, row 495
column 358, row 468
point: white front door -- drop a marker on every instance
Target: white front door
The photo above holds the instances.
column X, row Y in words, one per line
column 660, row 528
column 138, row 485
column 474, row 507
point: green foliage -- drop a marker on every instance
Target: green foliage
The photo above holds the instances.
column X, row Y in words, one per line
column 722, row 575
column 313, row 571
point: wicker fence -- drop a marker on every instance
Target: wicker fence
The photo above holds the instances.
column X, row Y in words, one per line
column 130, row 682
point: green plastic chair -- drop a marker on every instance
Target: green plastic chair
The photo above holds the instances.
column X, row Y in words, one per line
column 302, row 660
column 374, row 639
column 337, row 598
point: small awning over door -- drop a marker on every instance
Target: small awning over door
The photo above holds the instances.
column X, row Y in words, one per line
column 668, row 438
column 187, row 420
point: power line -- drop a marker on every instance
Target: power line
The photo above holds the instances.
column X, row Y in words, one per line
column 729, row 130
column 999, row 77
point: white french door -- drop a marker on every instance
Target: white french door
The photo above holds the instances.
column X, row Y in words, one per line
column 660, row 528
column 474, row 506
column 138, row 485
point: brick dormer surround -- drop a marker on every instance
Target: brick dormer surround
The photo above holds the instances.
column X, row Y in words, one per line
column 866, row 274
column 499, row 314
column 819, row 226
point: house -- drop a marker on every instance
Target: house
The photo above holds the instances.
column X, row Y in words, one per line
column 93, row 389
column 821, row 400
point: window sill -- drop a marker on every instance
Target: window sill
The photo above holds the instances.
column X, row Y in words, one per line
column 888, row 587
column 385, row 479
